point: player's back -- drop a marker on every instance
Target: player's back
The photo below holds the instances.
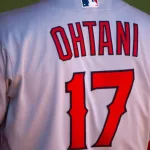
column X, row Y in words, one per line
column 79, row 76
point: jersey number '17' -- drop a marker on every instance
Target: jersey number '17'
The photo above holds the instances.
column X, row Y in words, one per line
column 122, row 80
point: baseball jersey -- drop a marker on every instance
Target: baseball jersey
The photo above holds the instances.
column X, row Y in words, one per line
column 76, row 75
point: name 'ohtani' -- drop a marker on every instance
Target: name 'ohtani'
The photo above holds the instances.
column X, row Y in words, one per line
column 111, row 40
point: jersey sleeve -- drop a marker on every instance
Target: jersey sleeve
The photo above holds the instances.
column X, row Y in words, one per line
column 4, row 80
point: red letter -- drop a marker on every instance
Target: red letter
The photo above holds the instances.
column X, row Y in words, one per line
column 105, row 29
column 77, row 39
column 135, row 42
column 61, row 54
column 90, row 25
column 123, row 38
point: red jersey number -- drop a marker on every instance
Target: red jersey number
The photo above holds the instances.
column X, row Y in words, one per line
column 122, row 81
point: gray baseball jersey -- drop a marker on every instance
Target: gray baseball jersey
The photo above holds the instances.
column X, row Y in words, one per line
column 78, row 76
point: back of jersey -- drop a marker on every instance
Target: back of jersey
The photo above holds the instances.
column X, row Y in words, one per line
column 78, row 74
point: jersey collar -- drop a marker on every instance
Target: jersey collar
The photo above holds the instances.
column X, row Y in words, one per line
column 77, row 4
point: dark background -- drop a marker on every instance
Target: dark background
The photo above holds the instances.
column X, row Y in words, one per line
column 6, row 5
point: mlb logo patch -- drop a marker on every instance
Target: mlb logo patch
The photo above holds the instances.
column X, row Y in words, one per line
column 90, row 3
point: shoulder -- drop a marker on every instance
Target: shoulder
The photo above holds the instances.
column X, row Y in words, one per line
column 24, row 17
column 133, row 15
column 137, row 15
column 20, row 13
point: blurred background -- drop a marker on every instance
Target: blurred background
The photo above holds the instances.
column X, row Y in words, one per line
column 6, row 5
